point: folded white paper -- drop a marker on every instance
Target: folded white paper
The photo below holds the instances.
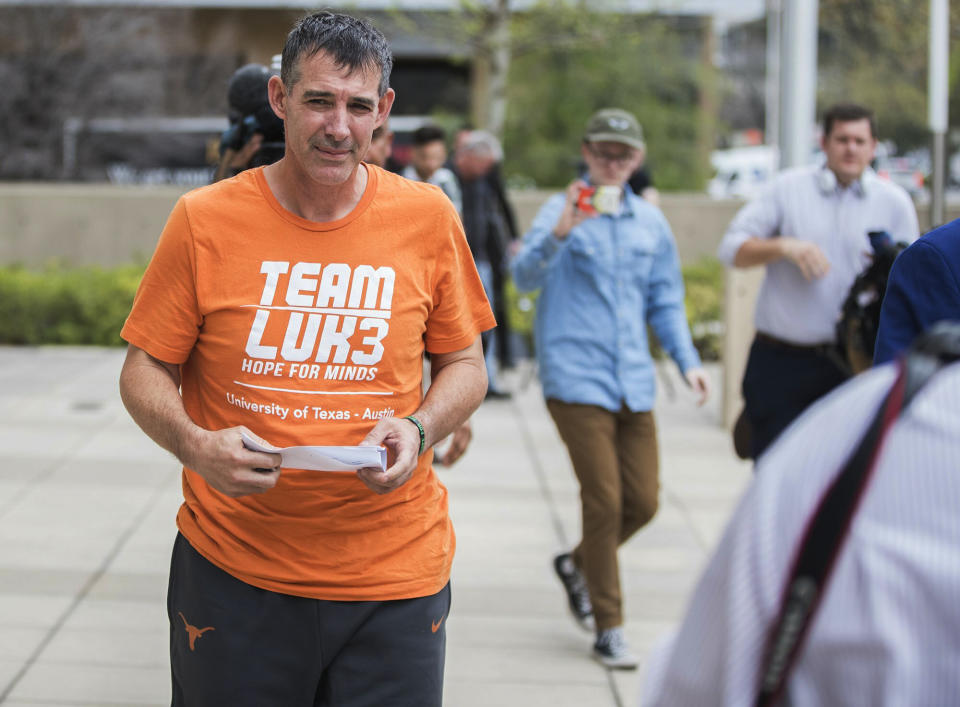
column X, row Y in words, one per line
column 323, row 458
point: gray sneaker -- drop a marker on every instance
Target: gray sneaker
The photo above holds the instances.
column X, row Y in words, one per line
column 612, row 651
column 576, row 588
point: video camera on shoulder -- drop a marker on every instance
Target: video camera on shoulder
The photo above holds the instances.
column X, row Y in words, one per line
column 860, row 314
column 250, row 113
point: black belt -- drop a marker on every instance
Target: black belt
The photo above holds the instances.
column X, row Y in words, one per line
column 823, row 349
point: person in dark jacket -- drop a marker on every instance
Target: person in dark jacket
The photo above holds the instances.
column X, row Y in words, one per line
column 923, row 288
column 490, row 228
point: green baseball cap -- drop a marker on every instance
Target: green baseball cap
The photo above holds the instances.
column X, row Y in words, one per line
column 614, row 125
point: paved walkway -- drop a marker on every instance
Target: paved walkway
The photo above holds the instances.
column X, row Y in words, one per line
column 87, row 507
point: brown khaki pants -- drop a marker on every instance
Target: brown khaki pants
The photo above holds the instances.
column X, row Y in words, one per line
column 614, row 456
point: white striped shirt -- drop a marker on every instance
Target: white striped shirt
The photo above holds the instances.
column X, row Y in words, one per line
column 887, row 632
column 806, row 203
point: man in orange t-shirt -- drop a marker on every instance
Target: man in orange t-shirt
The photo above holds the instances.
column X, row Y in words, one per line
column 294, row 303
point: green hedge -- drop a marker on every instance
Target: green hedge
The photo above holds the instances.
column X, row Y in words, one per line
column 703, row 281
column 59, row 305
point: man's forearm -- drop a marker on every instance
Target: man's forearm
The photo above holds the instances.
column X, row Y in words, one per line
column 456, row 390
column 150, row 392
column 758, row 251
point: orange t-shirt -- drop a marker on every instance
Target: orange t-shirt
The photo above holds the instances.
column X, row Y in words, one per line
column 308, row 333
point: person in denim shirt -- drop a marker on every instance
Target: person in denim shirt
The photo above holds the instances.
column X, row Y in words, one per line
column 606, row 269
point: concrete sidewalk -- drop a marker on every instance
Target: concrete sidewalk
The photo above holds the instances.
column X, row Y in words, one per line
column 87, row 505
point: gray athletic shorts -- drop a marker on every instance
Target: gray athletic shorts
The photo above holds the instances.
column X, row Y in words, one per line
column 238, row 645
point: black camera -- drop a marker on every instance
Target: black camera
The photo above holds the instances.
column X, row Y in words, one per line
column 860, row 314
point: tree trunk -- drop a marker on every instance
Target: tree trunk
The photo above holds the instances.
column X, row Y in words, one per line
column 496, row 53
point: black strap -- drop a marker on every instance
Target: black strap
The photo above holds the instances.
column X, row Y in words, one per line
column 827, row 529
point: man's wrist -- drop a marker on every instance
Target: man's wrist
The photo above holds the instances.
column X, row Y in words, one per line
column 420, row 431
column 785, row 244
column 187, row 442
column 559, row 231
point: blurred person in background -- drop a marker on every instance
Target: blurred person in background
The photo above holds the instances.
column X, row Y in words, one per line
column 809, row 227
column 454, row 447
column 381, row 147
column 427, row 162
column 606, row 264
column 923, row 288
column 487, row 223
column 503, row 340
column 640, row 181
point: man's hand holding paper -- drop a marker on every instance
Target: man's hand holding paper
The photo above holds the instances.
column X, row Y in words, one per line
column 323, row 458
column 402, row 440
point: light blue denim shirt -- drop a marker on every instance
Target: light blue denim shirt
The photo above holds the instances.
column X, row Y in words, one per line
column 600, row 287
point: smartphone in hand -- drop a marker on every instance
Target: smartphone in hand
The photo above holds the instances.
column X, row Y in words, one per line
column 599, row 200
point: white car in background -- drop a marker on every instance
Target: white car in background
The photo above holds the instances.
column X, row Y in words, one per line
column 903, row 172
column 741, row 171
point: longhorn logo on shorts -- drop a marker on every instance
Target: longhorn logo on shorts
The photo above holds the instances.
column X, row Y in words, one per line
column 193, row 632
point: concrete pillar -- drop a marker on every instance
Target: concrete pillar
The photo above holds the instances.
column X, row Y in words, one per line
column 798, row 80
column 938, row 98
column 740, row 295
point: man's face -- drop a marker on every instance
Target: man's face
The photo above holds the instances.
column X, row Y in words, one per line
column 849, row 148
column 380, row 149
column 428, row 158
column 473, row 165
column 610, row 163
column 329, row 117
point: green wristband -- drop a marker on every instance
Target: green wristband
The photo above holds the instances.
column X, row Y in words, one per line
column 423, row 436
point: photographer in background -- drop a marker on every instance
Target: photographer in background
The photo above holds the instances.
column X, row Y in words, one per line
column 255, row 135
column 607, row 266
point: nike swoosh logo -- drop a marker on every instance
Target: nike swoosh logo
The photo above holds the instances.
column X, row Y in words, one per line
column 435, row 625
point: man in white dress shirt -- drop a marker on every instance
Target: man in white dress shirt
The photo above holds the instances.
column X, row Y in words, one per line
column 887, row 630
column 809, row 228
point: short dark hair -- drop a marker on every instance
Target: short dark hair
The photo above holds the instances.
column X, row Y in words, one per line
column 426, row 134
column 351, row 42
column 846, row 112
